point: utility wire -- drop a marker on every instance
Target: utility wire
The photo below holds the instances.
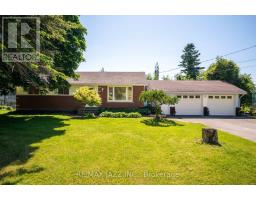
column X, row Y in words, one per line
column 170, row 70
column 248, row 66
column 228, row 54
column 245, row 61
column 231, row 53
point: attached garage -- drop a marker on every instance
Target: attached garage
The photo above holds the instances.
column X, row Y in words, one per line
column 219, row 97
column 188, row 105
column 221, row 105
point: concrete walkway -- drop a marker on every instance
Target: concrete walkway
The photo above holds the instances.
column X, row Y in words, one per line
column 245, row 128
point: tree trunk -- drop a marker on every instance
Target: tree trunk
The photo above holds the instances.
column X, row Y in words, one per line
column 158, row 113
column 210, row 136
column 157, row 118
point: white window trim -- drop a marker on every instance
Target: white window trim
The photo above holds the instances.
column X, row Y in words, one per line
column 126, row 86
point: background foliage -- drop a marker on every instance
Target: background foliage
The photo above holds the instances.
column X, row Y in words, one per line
column 62, row 43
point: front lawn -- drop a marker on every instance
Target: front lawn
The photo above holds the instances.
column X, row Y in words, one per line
column 58, row 149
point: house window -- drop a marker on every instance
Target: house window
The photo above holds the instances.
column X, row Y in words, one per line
column 179, row 97
column 191, row 97
column 110, row 93
column 223, row 97
column 210, row 97
column 197, row 97
column 120, row 93
column 129, row 93
column 185, row 97
column 229, row 97
column 217, row 97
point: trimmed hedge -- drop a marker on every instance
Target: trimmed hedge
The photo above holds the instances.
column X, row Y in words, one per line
column 120, row 114
column 134, row 115
column 142, row 111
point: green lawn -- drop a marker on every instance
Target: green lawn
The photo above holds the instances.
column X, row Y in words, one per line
column 57, row 149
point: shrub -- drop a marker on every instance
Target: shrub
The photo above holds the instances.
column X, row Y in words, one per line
column 120, row 114
column 253, row 111
column 105, row 114
column 245, row 109
column 206, row 111
column 134, row 115
column 87, row 96
column 143, row 110
column 89, row 116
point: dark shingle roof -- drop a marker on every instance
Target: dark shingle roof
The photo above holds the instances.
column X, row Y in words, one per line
column 191, row 86
column 115, row 78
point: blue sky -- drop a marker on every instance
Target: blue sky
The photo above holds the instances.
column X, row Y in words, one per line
column 136, row 43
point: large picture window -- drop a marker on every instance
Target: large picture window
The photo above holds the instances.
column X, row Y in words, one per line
column 119, row 93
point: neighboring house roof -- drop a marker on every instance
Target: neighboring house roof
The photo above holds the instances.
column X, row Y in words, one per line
column 110, row 78
column 191, row 86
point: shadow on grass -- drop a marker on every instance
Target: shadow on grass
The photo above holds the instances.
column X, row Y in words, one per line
column 19, row 132
column 18, row 172
column 161, row 122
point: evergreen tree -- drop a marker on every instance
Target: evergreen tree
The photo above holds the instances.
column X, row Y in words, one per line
column 190, row 61
column 156, row 73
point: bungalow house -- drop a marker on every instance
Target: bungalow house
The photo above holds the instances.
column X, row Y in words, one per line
column 116, row 89
column 122, row 90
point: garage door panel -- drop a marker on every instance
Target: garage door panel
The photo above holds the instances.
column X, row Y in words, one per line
column 188, row 106
column 223, row 105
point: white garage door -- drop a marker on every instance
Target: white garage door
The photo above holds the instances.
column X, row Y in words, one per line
column 221, row 105
column 188, row 105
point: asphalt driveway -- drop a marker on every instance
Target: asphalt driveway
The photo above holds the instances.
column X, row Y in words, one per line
column 245, row 128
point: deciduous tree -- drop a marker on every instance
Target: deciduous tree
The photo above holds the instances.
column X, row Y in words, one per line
column 156, row 98
column 62, row 44
column 228, row 71
column 87, row 96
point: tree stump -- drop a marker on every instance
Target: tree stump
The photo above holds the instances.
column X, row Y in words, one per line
column 210, row 136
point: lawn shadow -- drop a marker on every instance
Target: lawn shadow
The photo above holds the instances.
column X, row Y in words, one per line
column 160, row 123
column 19, row 132
column 200, row 141
column 18, row 172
